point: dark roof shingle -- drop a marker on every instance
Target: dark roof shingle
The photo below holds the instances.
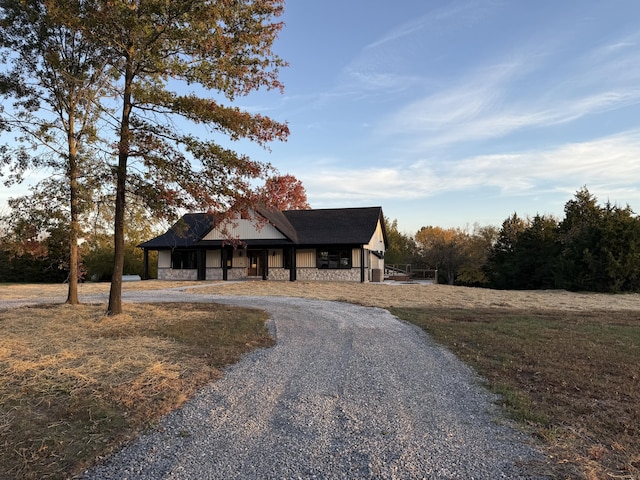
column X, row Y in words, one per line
column 186, row 232
column 337, row 226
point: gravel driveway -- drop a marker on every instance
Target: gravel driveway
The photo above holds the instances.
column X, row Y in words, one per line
column 347, row 392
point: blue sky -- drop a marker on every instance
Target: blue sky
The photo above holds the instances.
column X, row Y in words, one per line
column 452, row 113
column 457, row 112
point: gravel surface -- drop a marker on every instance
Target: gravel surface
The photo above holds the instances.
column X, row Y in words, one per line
column 347, row 392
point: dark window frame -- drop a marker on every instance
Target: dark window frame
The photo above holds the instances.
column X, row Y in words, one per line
column 184, row 260
column 334, row 258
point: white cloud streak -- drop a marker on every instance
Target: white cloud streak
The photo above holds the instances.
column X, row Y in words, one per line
column 481, row 109
column 611, row 163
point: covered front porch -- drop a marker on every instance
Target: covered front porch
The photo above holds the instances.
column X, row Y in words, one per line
column 224, row 263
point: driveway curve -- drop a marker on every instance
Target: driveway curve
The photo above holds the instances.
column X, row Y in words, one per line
column 347, row 392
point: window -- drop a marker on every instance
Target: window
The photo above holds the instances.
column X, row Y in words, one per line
column 334, row 259
column 183, row 260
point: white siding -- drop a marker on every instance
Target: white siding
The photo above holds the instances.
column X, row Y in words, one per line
column 355, row 258
column 214, row 258
column 246, row 230
column 376, row 262
column 164, row 259
column 275, row 259
column 306, row 258
column 239, row 259
column 376, row 243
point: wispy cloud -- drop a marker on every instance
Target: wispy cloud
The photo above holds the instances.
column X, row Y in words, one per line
column 487, row 105
column 390, row 63
column 610, row 163
column 428, row 20
column 454, row 110
column 609, row 160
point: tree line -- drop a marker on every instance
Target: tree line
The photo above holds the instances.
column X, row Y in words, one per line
column 35, row 236
column 593, row 248
column 35, row 232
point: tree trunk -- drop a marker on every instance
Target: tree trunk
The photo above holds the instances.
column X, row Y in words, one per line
column 115, row 294
column 72, row 296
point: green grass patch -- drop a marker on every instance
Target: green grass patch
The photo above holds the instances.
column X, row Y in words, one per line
column 571, row 378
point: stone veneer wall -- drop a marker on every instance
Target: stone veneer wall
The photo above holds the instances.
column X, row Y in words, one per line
column 213, row 273
column 278, row 274
column 171, row 274
column 239, row 273
column 275, row 274
column 331, row 275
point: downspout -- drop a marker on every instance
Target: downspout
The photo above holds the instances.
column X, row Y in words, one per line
column 362, row 277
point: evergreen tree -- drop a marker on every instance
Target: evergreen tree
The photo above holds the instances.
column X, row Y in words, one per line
column 579, row 235
column 614, row 258
column 502, row 269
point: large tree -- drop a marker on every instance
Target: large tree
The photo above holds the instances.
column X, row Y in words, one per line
column 402, row 247
column 179, row 63
column 283, row 192
column 600, row 246
column 476, row 248
column 501, row 265
column 442, row 249
column 54, row 79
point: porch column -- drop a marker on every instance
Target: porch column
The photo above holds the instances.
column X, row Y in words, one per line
column 145, row 264
column 223, row 254
column 292, row 264
column 362, row 277
column 201, row 264
column 265, row 263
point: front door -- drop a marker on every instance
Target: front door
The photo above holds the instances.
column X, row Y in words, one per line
column 255, row 263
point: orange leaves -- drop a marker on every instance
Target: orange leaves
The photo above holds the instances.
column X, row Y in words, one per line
column 284, row 192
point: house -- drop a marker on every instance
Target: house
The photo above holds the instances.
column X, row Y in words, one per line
column 343, row 244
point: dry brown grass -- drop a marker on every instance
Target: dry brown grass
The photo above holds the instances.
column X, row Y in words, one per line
column 58, row 292
column 567, row 364
column 74, row 384
column 386, row 295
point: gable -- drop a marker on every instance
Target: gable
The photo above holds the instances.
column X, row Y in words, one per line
column 340, row 226
column 245, row 230
column 377, row 242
